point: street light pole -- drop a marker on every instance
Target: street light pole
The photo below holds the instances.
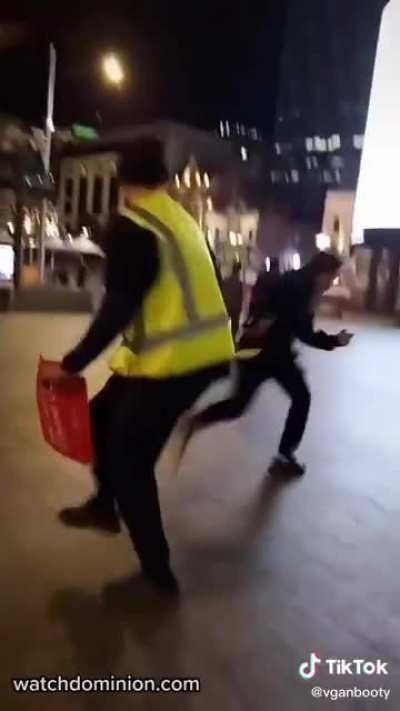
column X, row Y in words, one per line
column 49, row 128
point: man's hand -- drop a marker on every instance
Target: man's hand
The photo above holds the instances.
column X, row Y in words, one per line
column 53, row 372
column 344, row 338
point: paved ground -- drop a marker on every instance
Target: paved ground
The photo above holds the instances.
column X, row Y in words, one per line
column 269, row 573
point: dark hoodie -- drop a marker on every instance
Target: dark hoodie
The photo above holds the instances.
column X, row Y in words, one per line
column 282, row 311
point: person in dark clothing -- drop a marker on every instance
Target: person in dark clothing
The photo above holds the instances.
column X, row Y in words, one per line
column 233, row 295
column 156, row 377
column 281, row 312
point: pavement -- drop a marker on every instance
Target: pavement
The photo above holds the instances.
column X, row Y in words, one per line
column 270, row 572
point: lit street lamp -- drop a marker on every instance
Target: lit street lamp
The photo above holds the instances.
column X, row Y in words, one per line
column 113, row 70
column 114, row 73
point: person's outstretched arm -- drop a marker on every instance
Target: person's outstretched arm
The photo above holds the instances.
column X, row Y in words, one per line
column 304, row 331
column 132, row 267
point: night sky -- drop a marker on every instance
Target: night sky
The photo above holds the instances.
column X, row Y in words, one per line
column 190, row 61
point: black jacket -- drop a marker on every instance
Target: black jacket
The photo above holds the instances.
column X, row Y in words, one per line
column 132, row 268
column 281, row 311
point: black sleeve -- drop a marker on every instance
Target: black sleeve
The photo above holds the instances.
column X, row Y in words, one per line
column 304, row 331
column 215, row 265
column 132, row 268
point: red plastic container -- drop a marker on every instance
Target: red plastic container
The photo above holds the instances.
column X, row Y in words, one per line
column 64, row 416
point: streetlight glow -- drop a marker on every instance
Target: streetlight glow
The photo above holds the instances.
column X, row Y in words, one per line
column 112, row 68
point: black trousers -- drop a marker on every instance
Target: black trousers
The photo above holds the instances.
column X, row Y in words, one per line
column 251, row 374
column 131, row 421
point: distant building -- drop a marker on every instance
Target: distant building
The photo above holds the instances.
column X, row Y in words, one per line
column 326, row 72
column 88, row 182
column 326, row 69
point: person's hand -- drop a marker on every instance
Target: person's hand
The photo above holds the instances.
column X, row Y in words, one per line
column 53, row 372
column 344, row 338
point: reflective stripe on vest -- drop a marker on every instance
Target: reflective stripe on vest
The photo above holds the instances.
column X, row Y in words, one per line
column 140, row 343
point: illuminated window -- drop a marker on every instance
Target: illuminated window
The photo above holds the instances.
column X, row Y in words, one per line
column 28, row 226
column 278, row 150
column 206, row 180
column 358, row 141
column 296, row 261
column 244, row 153
column 233, row 238
column 209, row 204
column 268, row 264
column 322, row 241
column 295, row 176
column 6, row 262
column 309, row 144
column 320, row 144
column 227, row 128
column 186, row 177
column 178, row 181
column 198, row 179
column 222, row 129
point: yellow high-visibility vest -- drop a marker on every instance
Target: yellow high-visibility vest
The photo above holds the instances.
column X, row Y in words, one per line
column 182, row 325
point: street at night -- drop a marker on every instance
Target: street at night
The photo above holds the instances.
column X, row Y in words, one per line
column 270, row 572
column 199, row 348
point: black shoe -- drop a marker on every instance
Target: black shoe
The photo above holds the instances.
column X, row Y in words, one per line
column 163, row 579
column 92, row 514
column 286, row 466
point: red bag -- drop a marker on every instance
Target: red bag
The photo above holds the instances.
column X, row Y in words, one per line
column 64, row 416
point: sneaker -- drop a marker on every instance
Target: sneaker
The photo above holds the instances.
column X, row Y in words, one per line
column 163, row 579
column 286, row 466
column 91, row 514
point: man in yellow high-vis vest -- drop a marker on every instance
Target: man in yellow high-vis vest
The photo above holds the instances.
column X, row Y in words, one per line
column 162, row 294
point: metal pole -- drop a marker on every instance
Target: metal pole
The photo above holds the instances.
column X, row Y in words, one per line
column 49, row 128
column 19, row 218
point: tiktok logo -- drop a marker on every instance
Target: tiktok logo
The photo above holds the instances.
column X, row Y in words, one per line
column 308, row 670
